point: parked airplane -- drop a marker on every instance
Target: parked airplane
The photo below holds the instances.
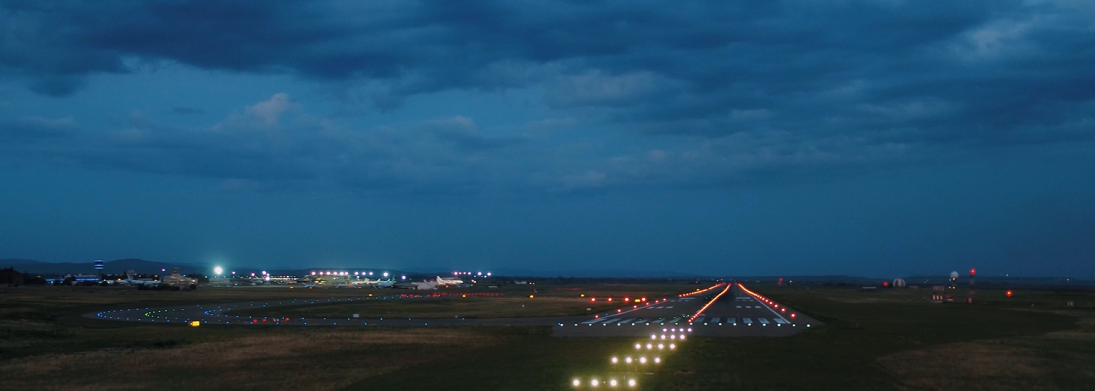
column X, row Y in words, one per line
column 365, row 281
column 130, row 279
column 385, row 284
column 448, row 281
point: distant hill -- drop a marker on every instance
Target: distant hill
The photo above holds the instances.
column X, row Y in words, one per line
column 110, row 267
column 9, row 262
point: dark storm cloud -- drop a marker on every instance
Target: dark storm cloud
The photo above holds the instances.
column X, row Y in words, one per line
column 275, row 143
column 761, row 85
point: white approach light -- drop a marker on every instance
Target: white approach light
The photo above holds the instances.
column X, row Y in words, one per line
column 217, row 270
column 631, row 383
column 661, row 346
column 628, row 360
column 576, row 382
column 638, row 346
column 612, row 382
column 642, row 360
column 594, row 382
column 652, row 336
column 657, row 360
column 614, row 360
column 672, row 346
column 682, row 338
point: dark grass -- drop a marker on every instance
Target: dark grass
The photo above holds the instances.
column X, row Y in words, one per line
column 843, row 355
column 861, row 328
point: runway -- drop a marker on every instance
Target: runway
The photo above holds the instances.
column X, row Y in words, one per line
column 736, row 313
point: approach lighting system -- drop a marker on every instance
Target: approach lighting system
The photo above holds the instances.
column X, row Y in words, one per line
column 218, row 270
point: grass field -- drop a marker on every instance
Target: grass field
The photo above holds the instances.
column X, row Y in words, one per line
column 891, row 340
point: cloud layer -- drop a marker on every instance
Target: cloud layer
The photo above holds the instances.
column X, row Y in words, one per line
column 694, row 93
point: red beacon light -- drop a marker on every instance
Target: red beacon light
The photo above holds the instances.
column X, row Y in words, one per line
column 1008, row 293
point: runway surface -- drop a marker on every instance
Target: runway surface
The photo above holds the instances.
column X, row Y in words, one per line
column 736, row 312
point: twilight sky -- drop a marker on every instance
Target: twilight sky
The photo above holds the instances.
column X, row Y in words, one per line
column 881, row 138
